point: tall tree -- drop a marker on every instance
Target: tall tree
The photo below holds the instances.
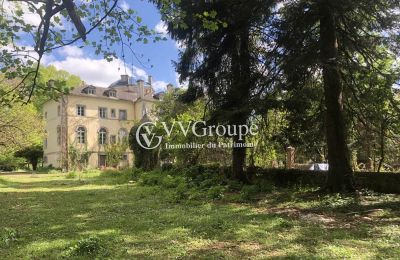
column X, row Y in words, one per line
column 326, row 40
column 221, row 57
column 46, row 31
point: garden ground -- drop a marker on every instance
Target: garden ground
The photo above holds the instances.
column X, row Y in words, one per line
column 47, row 216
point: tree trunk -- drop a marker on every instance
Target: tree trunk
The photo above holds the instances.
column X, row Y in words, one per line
column 382, row 144
column 34, row 163
column 238, row 161
column 241, row 60
column 340, row 176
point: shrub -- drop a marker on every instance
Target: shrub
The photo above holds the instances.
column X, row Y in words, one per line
column 216, row 192
column 151, row 178
column 90, row 246
column 180, row 193
column 265, row 186
column 248, row 192
column 235, row 185
column 169, row 181
column 71, row 175
column 9, row 235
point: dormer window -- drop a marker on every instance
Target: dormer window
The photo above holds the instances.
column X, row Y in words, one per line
column 112, row 93
column 91, row 91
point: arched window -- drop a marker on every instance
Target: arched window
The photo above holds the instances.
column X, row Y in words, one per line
column 81, row 135
column 122, row 134
column 103, row 136
column 59, row 135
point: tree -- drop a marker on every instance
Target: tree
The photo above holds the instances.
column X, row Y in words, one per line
column 222, row 42
column 78, row 156
column 115, row 153
column 32, row 154
column 326, row 40
column 20, row 126
column 60, row 81
column 144, row 159
column 113, row 22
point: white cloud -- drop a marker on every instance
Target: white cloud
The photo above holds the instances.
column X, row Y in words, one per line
column 71, row 51
column 139, row 73
column 125, row 6
column 28, row 17
column 101, row 73
column 98, row 72
column 161, row 27
column 160, row 85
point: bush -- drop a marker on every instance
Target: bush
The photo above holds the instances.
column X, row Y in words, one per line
column 170, row 182
column 180, row 193
column 248, row 192
column 153, row 178
column 9, row 236
column 216, row 192
column 91, row 246
column 235, row 185
column 265, row 186
column 71, row 175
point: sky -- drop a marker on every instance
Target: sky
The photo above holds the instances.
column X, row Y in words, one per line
column 93, row 69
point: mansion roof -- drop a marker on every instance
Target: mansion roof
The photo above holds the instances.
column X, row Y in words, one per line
column 122, row 89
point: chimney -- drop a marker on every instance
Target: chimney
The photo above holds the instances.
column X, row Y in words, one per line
column 150, row 80
column 140, row 84
column 125, row 78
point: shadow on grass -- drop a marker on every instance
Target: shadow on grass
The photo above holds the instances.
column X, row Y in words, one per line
column 143, row 222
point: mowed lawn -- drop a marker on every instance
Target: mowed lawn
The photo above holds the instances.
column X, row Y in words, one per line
column 47, row 216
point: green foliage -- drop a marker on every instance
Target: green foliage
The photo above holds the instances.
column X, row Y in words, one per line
column 8, row 162
column 115, row 153
column 216, row 192
column 131, row 221
column 78, row 156
column 9, row 236
column 53, row 83
column 32, row 154
column 248, row 192
column 71, row 175
column 91, row 246
column 144, row 158
column 113, row 24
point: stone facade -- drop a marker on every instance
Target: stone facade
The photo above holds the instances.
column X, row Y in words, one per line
column 91, row 117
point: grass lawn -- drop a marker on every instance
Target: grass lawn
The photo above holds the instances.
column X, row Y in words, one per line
column 47, row 216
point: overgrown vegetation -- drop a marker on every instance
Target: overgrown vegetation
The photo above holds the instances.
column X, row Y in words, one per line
column 183, row 214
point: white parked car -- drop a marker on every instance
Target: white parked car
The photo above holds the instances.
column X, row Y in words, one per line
column 319, row 167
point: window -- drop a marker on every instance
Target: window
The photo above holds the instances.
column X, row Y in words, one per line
column 113, row 139
column 45, row 140
column 80, row 110
column 113, row 114
column 103, row 112
column 91, row 91
column 102, row 136
column 45, row 160
column 122, row 115
column 58, row 110
column 112, row 93
column 59, row 135
column 125, row 158
column 122, row 134
column 81, row 135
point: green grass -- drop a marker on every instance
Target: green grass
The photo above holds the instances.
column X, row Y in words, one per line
column 50, row 216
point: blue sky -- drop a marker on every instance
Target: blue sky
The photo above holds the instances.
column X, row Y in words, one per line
column 94, row 70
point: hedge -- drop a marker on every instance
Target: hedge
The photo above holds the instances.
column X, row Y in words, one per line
column 379, row 182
